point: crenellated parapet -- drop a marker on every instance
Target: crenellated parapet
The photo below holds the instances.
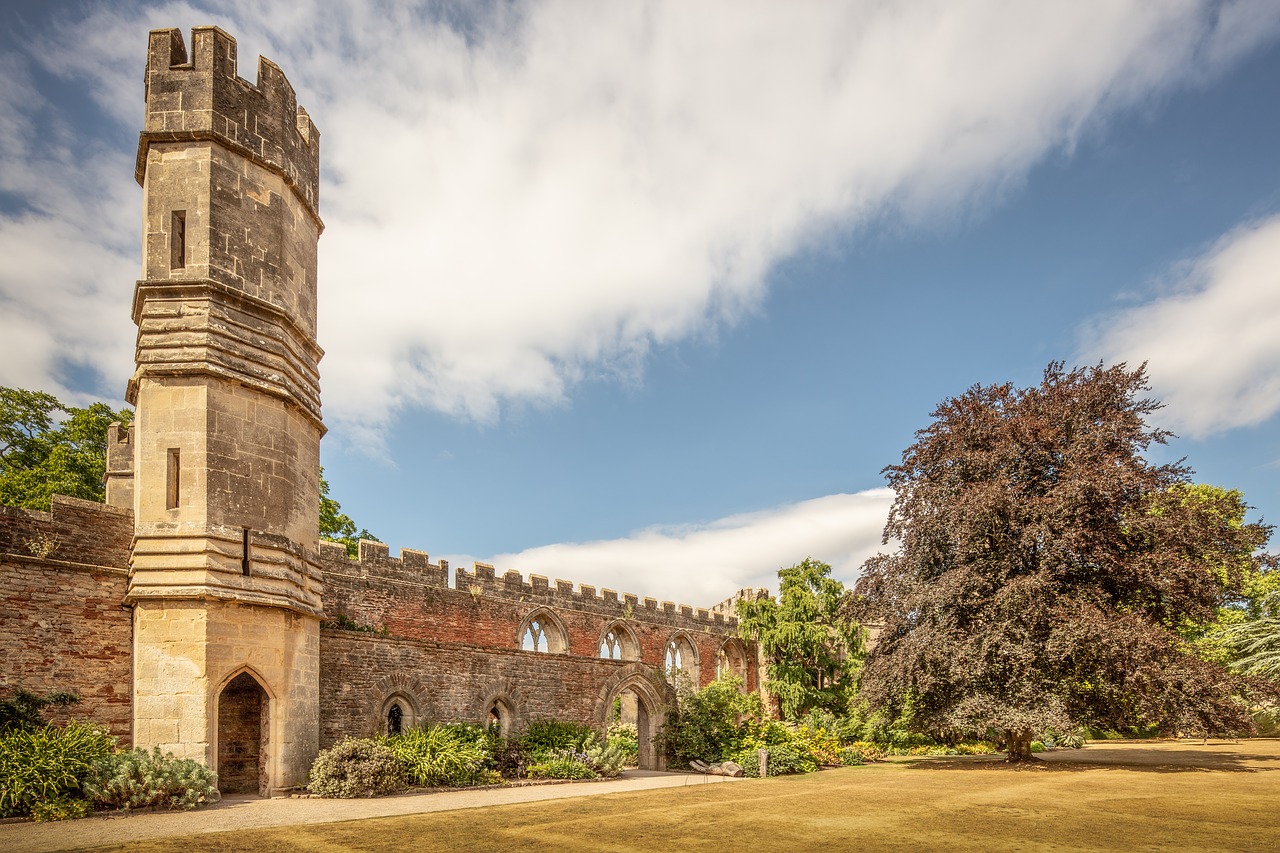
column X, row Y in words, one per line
column 374, row 566
column 203, row 96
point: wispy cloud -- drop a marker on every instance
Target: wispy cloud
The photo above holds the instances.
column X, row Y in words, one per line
column 701, row 564
column 521, row 197
column 1210, row 337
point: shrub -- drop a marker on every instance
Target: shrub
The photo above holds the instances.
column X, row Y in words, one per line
column 1037, row 746
column 851, row 757
column 357, row 767
column 541, row 737
column 868, row 751
column 784, row 759
column 975, row 748
column 626, row 738
column 61, row 808
column 605, row 759
column 705, row 723
column 562, row 766
column 138, row 778
column 48, row 763
column 509, row 758
column 440, row 755
column 823, row 745
column 23, row 711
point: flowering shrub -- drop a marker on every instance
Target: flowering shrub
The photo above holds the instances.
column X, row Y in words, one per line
column 357, row 767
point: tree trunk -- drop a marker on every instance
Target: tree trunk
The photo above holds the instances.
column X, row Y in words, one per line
column 1020, row 746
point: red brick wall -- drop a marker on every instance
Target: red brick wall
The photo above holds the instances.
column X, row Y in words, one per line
column 410, row 598
column 63, row 625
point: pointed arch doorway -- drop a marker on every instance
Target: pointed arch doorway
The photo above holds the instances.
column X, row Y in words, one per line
column 244, row 725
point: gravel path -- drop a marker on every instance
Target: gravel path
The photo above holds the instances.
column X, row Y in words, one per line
column 252, row 812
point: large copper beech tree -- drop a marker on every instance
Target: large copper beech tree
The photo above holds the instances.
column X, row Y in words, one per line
column 1043, row 565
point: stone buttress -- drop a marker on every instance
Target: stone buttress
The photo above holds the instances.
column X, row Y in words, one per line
column 224, row 579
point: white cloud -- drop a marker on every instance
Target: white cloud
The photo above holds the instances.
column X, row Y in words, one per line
column 701, row 564
column 1211, row 338
column 544, row 193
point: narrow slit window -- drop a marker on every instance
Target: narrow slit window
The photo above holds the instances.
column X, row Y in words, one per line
column 172, row 475
column 244, row 558
column 178, row 240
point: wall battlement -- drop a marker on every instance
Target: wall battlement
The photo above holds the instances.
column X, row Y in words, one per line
column 203, row 96
column 375, row 564
column 73, row 531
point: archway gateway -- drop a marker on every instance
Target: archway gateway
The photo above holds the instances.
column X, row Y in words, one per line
column 244, row 725
column 644, row 699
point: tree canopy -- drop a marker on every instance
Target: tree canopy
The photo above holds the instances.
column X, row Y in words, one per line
column 1044, row 568
column 812, row 647
column 336, row 525
column 48, row 448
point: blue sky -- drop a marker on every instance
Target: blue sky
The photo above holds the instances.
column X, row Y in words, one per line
column 646, row 296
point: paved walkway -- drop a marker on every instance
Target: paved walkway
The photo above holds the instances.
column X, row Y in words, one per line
column 253, row 813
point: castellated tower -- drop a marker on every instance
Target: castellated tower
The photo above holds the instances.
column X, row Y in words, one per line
column 224, row 582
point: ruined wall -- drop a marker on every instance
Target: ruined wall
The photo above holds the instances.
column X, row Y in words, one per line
column 360, row 672
column 63, row 626
column 410, row 597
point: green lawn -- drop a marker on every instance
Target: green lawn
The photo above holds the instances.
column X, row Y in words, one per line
column 1173, row 796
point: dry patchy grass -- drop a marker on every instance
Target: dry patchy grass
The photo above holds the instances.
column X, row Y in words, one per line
column 1171, row 796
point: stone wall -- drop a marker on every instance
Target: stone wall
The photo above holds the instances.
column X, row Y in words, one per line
column 411, row 598
column 63, row 623
column 361, row 674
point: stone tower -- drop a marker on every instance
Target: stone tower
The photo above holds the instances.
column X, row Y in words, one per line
column 224, row 583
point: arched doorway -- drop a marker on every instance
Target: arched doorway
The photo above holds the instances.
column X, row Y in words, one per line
column 644, row 697
column 243, row 737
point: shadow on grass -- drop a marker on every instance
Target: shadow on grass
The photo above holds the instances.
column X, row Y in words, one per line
column 1163, row 759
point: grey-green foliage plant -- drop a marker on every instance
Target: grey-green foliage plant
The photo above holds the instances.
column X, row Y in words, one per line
column 625, row 737
column 607, row 758
column 48, row 763
column 357, row 767
column 440, row 755
column 140, row 778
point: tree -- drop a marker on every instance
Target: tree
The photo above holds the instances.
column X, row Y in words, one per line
column 811, row 644
column 42, row 454
column 1044, row 566
column 337, row 526
column 1257, row 640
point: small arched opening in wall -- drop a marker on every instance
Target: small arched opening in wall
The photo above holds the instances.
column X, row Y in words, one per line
column 243, row 749
column 732, row 660
column 642, row 689
column 399, row 703
column 618, row 642
column 680, row 659
column 499, row 717
column 542, row 631
column 501, row 708
column 399, row 714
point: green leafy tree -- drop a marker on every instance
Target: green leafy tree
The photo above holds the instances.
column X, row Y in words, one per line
column 336, row 525
column 1045, row 568
column 47, row 448
column 1256, row 640
column 812, row 646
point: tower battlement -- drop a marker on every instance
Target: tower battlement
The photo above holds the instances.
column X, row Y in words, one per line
column 201, row 96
